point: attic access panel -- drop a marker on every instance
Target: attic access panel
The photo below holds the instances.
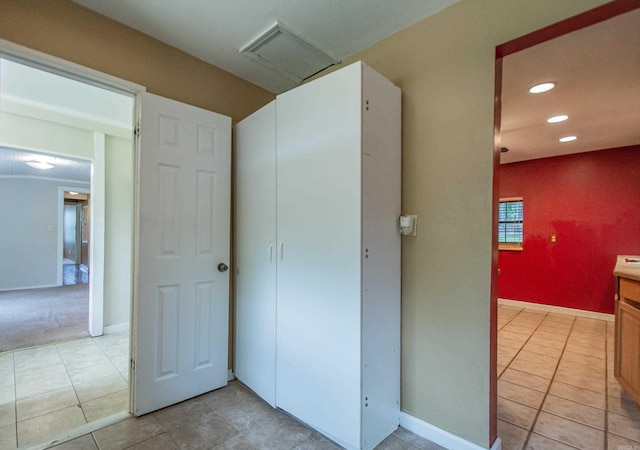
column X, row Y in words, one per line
column 288, row 54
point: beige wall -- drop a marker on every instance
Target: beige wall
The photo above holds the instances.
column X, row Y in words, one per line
column 445, row 66
column 63, row 29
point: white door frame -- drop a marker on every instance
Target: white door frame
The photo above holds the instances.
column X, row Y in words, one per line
column 96, row 248
column 84, row 74
column 61, row 190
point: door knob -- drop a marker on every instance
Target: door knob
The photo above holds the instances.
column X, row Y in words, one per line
column 222, row 267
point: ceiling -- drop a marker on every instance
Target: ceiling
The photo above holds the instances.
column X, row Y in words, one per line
column 215, row 31
column 36, row 93
column 596, row 69
column 13, row 164
column 597, row 75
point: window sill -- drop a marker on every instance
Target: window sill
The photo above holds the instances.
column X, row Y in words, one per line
column 510, row 247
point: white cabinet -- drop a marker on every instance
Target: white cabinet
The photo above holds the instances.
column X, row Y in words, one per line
column 255, row 240
column 316, row 213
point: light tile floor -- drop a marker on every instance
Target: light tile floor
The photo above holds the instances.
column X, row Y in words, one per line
column 53, row 388
column 556, row 388
column 50, row 389
column 228, row 418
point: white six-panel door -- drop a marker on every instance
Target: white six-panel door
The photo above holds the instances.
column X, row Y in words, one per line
column 182, row 297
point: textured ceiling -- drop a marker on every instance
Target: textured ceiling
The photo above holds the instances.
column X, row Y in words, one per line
column 13, row 164
column 214, row 31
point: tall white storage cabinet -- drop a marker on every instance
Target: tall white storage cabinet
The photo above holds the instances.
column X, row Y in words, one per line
column 336, row 253
column 255, row 246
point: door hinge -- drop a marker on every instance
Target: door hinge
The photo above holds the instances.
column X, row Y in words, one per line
column 133, row 364
column 136, row 131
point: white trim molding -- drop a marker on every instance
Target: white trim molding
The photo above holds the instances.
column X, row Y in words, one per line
column 557, row 309
column 96, row 233
column 78, row 431
column 440, row 436
column 117, row 328
column 68, row 69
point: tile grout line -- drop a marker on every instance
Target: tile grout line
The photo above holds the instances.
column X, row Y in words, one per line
column 58, row 353
column 546, row 314
column 544, row 398
column 607, row 378
column 547, row 393
column 539, row 409
column 79, row 404
column 82, row 404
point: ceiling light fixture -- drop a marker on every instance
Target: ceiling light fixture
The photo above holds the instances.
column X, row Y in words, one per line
column 541, row 87
column 556, row 119
column 73, row 193
column 567, row 139
column 41, row 165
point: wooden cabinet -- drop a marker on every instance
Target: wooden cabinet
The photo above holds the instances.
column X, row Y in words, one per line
column 627, row 343
column 318, row 254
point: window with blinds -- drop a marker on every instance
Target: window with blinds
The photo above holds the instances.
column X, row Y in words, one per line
column 510, row 221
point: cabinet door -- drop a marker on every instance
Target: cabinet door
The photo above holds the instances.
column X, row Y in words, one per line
column 628, row 336
column 255, row 236
column 319, row 262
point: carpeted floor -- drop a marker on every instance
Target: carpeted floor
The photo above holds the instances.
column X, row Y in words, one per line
column 42, row 316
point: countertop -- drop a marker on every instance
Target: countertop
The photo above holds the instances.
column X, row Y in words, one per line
column 626, row 268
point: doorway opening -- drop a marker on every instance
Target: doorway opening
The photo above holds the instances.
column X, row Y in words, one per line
column 563, row 357
column 76, row 238
column 67, row 123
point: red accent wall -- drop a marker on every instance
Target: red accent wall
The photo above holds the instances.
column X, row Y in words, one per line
column 591, row 202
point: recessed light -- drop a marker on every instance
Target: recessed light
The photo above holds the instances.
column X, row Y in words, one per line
column 40, row 165
column 556, row 119
column 73, row 193
column 542, row 87
column 567, row 139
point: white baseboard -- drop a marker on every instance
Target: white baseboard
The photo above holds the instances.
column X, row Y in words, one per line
column 440, row 436
column 117, row 328
column 22, row 288
column 557, row 309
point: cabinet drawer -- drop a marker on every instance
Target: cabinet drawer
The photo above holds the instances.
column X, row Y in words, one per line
column 629, row 289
